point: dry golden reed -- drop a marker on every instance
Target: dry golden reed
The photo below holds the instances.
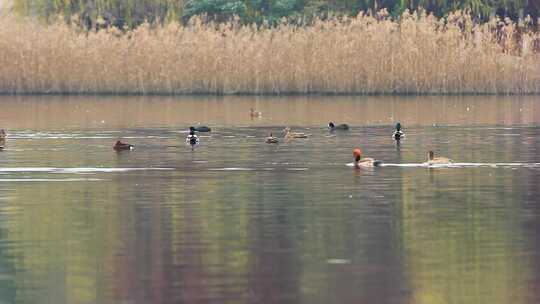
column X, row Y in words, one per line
column 363, row 55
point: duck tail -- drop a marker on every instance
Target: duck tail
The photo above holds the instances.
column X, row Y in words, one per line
column 377, row 163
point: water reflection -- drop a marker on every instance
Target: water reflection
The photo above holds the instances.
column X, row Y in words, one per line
column 88, row 112
column 298, row 226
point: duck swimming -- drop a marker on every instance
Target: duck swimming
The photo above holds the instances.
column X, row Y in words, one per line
column 292, row 135
column 2, row 140
column 120, row 146
column 201, row 129
column 3, row 134
column 367, row 162
column 254, row 113
column 192, row 139
column 342, row 127
column 432, row 160
column 271, row 139
column 398, row 134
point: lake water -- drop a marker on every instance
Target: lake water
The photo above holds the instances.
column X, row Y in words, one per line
column 239, row 221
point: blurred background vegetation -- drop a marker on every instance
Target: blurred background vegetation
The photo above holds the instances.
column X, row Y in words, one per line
column 131, row 13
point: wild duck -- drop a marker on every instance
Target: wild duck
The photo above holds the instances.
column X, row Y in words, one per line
column 364, row 162
column 120, row 146
column 292, row 135
column 272, row 139
column 254, row 113
column 432, row 160
column 398, row 134
column 201, row 129
column 192, row 139
column 342, row 127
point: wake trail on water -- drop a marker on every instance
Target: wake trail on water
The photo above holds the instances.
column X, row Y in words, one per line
column 49, row 179
column 459, row 165
column 77, row 170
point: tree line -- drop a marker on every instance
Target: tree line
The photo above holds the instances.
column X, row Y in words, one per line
column 130, row 13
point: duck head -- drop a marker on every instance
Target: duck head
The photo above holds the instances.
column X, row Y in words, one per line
column 118, row 143
column 331, row 125
column 398, row 126
column 357, row 154
column 431, row 155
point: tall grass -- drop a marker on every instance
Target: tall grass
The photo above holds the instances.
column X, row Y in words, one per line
column 363, row 55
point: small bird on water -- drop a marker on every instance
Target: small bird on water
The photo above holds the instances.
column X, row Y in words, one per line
column 254, row 113
column 367, row 162
column 292, row 135
column 120, row 146
column 201, row 129
column 432, row 160
column 2, row 139
column 398, row 134
column 192, row 139
column 342, row 127
column 272, row 139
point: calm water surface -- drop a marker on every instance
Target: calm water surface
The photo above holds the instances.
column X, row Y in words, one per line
column 240, row 221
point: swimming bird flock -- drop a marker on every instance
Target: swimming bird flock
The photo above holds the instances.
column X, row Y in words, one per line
column 358, row 160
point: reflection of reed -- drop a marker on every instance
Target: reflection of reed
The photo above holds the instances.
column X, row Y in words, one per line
column 531, row 225
column 458, row 244
column 31, row 112
column 274, row 265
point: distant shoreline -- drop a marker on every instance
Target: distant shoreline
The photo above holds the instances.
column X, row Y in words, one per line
column 292, row 94
column 366, row 55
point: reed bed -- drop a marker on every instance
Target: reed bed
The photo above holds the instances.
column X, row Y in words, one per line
column 416, row 54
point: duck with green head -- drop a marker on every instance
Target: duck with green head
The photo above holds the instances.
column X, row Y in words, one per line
column 398, row 133
column 192, row 139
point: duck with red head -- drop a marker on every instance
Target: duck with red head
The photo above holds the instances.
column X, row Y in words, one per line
column 364, row 162
column 120, row 146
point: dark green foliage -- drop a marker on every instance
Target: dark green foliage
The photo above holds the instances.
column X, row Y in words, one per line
column 94, row 13
column 219, row 10
column 133, row 12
